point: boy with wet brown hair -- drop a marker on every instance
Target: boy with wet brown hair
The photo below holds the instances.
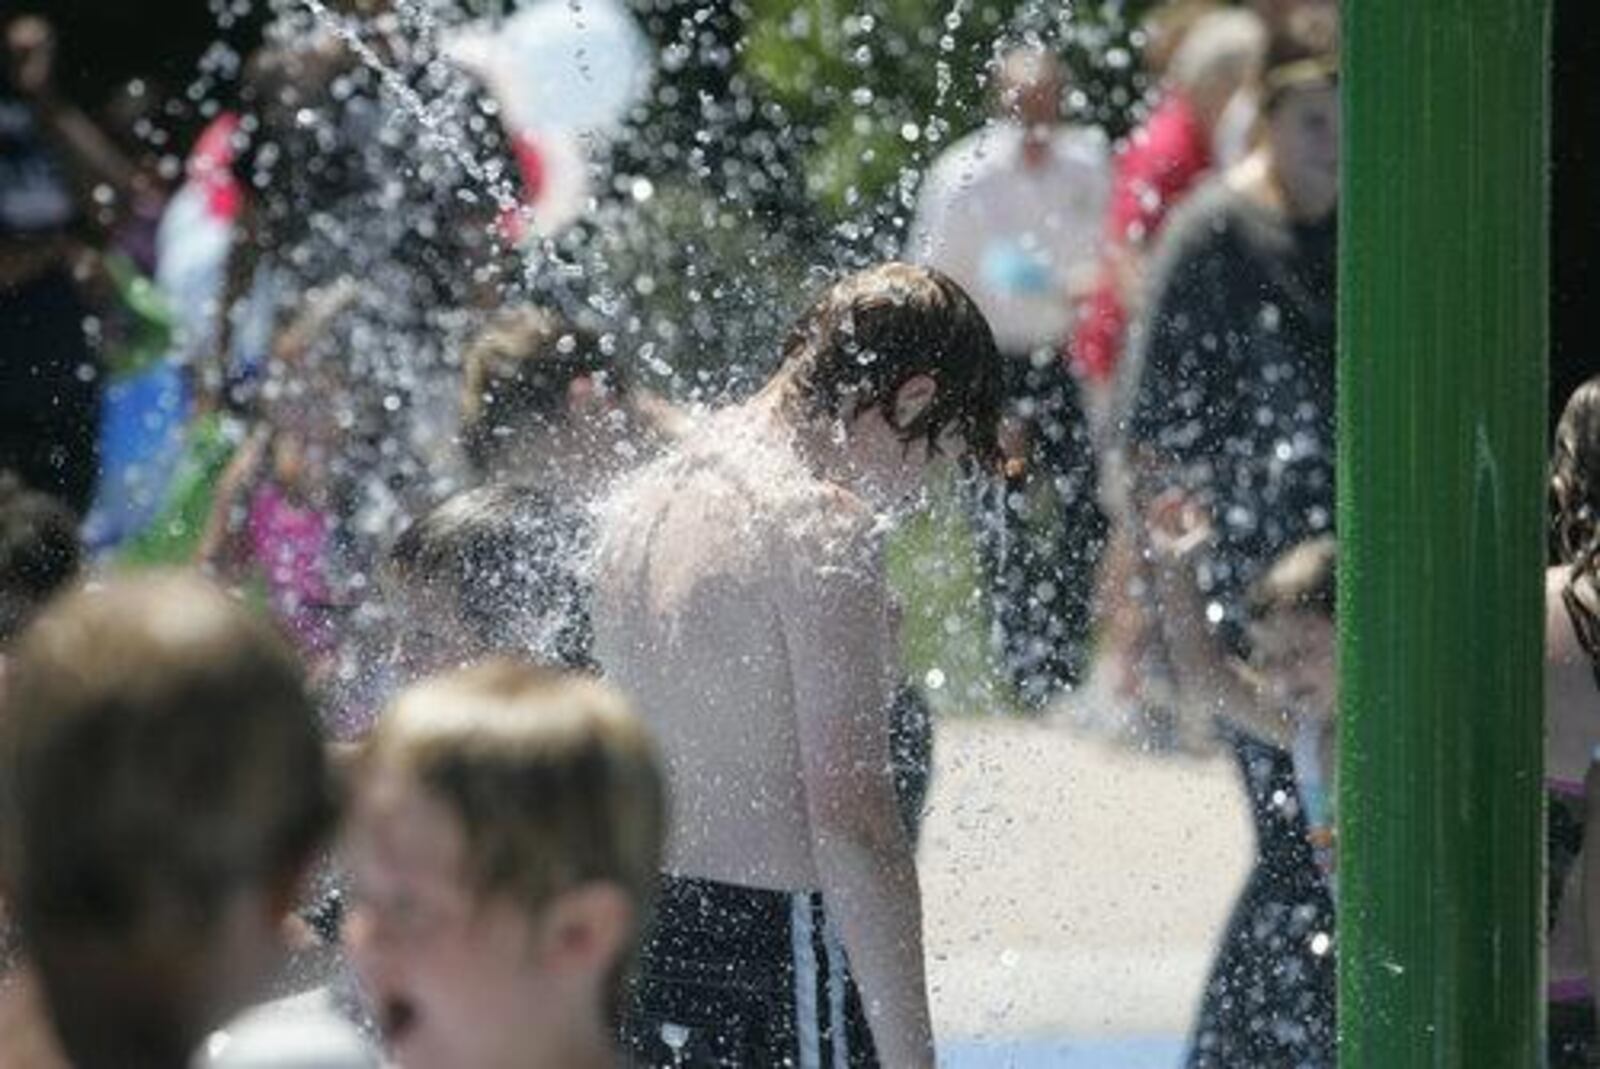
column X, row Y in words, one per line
column 504, row 843
column 741, row 599
column 163, row 787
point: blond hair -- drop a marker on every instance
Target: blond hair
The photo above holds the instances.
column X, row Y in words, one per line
column 553, row 778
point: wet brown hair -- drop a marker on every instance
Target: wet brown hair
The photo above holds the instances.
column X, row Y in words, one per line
column 1303, row 579
column 873, row 331
column 553, row 778
column 1575, row 511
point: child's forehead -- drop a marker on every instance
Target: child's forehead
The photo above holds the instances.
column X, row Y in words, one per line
column 400, row 820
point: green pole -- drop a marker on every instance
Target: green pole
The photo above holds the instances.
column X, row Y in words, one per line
column 1442, row 307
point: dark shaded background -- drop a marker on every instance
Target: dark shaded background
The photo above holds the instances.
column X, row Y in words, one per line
column 105, row 42
column 1575, row 201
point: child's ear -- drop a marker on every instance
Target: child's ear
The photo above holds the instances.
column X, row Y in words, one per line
column 588, row 927
column 912, row 399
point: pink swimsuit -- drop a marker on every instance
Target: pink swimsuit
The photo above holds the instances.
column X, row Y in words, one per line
column 289, row 543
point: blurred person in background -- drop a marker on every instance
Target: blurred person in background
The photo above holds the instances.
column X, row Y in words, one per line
column 1012, row 213
column 1572, row 704
column 1234, row 134
column 543, row 404
column 343, row 177
column 272, row 519
column 1234, row 416
column 1155, row 170
column 58, row 177
column 163, row 788
column 1201, row 53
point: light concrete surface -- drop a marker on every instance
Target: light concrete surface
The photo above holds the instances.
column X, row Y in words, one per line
column 1071, row 886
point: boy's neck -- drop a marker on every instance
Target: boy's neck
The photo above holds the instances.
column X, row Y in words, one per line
column 575, row 1040
column 815, row 442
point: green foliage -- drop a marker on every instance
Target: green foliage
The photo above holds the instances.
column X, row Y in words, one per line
column 786, row 139
column 886, row 84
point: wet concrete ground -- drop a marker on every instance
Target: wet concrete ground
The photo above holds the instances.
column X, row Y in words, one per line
column 1073, row 890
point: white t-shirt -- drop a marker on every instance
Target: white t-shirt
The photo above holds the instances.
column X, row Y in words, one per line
column 1017, row 238
column 305, row 1031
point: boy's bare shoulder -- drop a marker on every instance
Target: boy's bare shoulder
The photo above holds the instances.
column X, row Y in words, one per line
column 833, row 532
column 730, row 502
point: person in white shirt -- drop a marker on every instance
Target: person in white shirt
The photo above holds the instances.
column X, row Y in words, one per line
column 1013, row 213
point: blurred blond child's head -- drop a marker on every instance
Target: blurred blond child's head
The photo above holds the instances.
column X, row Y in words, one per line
column 505, row 841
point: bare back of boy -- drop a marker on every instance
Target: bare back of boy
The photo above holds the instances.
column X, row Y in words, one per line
column 719, row 566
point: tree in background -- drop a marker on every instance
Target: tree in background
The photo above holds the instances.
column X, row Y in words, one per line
column 786, row 140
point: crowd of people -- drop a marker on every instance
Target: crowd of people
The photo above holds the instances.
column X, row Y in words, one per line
column 486, row 707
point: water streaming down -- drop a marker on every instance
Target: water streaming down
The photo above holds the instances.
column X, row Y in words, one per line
column 751, row 154
column 689, row 256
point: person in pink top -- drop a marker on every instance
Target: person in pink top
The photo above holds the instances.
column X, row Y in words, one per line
column 289, row 542
column 272, row 525
column 272, row 520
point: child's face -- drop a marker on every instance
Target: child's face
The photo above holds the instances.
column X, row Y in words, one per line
column 451, row 976
column 1293, row 652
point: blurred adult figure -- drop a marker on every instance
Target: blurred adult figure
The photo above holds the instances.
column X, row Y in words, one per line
column 1200, row 53
column 1234, row 134
column 343, row 176
column 1161, row 163
column 1012, row 214
column 54, row 163
column 1235, row 415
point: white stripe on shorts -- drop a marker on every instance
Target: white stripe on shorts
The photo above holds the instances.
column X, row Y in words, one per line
column 805, row 982
column 841, row 1039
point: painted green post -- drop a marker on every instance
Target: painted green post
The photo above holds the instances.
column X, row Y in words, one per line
column 1443, row 286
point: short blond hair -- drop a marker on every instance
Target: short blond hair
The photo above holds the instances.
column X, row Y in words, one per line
column 552, row 776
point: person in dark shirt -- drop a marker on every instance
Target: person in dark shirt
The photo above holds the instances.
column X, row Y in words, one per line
column 49, row 393
column 1235, row 413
